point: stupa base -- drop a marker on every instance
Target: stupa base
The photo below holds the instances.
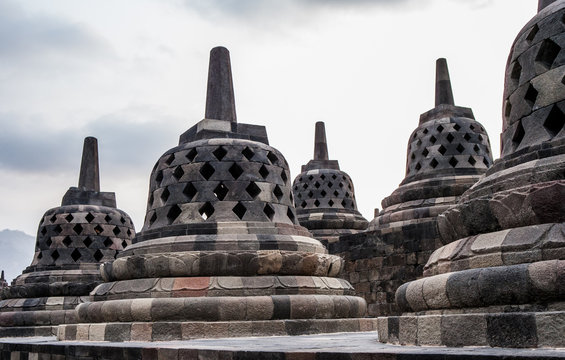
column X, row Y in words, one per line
column 178, row 330
column 27, row 331
column 543, row 329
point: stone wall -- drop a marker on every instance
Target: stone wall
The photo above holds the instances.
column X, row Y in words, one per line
column 378, row 262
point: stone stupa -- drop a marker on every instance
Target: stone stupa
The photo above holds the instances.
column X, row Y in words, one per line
column 500, row 281
column 221, row 253
column 324, row 196
column 72, row 241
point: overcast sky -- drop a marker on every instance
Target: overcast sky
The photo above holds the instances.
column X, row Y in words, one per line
column 133, row 74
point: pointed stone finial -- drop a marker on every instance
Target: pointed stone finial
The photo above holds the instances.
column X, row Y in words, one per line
column 542, row 4
column 2, row 276
column 444, row 94
column 89, row 178
column 220, row 100
column 320, row 143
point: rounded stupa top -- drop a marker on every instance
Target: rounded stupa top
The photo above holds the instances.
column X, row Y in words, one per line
column 534, row 91
column 449, row 141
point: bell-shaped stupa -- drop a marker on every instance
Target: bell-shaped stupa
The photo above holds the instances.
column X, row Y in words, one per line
column 500, row 280
column 72, row 241
column 324, row 196
column 221, row 252
column 447, row 153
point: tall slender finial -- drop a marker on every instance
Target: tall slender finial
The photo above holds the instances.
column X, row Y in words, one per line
column 444, row 94
column 320, row 143
column 2, row 276
column 542, row 4
column 220, row 100
column 89, row 178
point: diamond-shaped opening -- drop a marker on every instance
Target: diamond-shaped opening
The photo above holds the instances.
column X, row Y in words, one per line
column 264, row 172
column 331, row 203
column 418, row 167
column 323, row 193
column 165, row 195
column 310, row 178
column 153, row 218
column 278, row 192
column 189, row 191
column 178, row 172
column 253, row 190
column 67, row 241
column 347, row 195
column 334, row 177
column 207, row 171
column 467, row 137
column 89, row 217
column 284, row 177
column 124, row 244
column 508, row 109
column 340, row 185
column 450, row 137
column 107, row 218
column 272, row 158
column 440, row 128
column 299, row 196
column 548, row 53
column 53, row 218
column 108, row 242
column 453, row 161
column 122, row 220
column 248, row 153
column 310, row 194
column 519, row 134
column 434, row 163
column 413, row 156
column 414, row 136
column 206, row 211
column 419, row 142
column 323, row 177
column 58, row 229
column 43, row 231
column 76, row 255
column 424, row 132
column 220, row 153
column 472, row 160
column 191, row 155
column 55, row 255
column 235, row 171
column 456, row 127
column 305, row 186
column 460, row 148
column 532, row 34
column 39, row 256
column 485, row 161
column 476, row 148
column 554, row 121
column 116, row 230
column 159, row 177
column 317, row 185
column 48, row 242
column 330, row 184
column 98, row 255
column 151, row 200
column 433, row 140
column 239, row 210
column 425, row 152
column 78, row 229
column 343, row 203
column 563, row 80
column 221, row 191
column 173, row 213
column 531, row 95
column 98, row 229
column 269, row 211
column 129, row 232
column 170, row 159
column 336, row 193
column 303, row 205
column 87, row 242
column 442, row 150
column 69, row 218
column 290, row 215
column 516, row 71
column 316, row 203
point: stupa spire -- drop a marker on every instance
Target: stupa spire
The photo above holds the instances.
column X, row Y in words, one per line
column 320, row 142
column 220, row 100
column 89, row 178
column 444, row 94
column 544, row 3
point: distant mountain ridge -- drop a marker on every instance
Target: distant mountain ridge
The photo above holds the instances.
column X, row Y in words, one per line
column 16, row 252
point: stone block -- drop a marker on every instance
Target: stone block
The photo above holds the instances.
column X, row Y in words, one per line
column 82, row 333
column 408, row 330
column 429, row 330
column 464, row 330
column 117, row 332
column 514, row 330
column 141, row 331
column 382, row 329
column 166, row 331
column 96, row 332
column 551, row 329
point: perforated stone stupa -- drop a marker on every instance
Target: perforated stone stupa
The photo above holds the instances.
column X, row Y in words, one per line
column 221, row 252
column 500, row 280
column 72, row 240
column 324, row 196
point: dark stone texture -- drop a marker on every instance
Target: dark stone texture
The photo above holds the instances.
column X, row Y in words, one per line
column 220, row 100
column 511, row 330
